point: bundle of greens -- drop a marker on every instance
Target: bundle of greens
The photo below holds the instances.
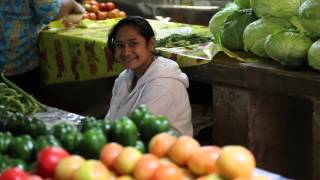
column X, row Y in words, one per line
column 14, row 99
column 180, row 40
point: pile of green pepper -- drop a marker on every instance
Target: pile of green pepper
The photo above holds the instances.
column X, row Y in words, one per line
column 22, row 137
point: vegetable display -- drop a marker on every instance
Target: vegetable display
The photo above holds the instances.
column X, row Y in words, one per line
column 283, row 32
column 143, row 147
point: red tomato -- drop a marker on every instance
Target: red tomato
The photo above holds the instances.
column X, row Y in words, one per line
column 87, row 6
column 34, row 177
column 94, row 8
column 90, row 2
column 14, row 174
column 93, row 16
column 47, row 160
column 109, row 6
column 101, row 15
column 86, row 16
column 102, row 6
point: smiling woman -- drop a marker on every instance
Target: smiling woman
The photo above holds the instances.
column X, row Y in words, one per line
column 148, row 79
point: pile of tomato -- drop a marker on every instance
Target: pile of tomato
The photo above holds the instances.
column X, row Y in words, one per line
column 101, row 10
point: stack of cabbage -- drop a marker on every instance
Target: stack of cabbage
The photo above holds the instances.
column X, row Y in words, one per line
column 287, row 31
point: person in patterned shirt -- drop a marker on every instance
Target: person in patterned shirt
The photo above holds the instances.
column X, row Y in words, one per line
column 20, row 24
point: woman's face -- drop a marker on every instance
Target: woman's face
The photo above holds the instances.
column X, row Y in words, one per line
column 132, row 49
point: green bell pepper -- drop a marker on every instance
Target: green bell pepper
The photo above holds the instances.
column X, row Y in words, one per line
column 88, row 123
column 61, row 129
column 138, row 114
column 151, row 125
column 91, row 143
column 124, row 131
column 34, row 127
column 5, row 139
column 7, row 162
column 12, row 122
column 71, row 141
column 45, row 141
column 105, row 125
column 21, row 147
column 140, row 146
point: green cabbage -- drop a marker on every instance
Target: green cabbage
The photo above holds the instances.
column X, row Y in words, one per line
column 290, row 49
column 309, row 12
column 232, row 32
column 218, row 19
column 243, row 4
column 276, row 8
column 314, row 55
column 255, row 34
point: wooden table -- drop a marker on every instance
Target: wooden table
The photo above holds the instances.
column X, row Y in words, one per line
column 273, row 111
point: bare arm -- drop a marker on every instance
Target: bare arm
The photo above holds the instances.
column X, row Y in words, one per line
column 69, row 6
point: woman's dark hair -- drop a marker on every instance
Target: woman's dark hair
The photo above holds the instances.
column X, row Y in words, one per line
column 141, row 24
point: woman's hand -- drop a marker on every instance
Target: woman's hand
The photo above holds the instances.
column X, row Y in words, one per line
column 69, row 7
column 78, row 9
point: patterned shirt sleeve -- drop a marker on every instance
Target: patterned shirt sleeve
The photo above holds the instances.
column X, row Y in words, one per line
column 46, row 10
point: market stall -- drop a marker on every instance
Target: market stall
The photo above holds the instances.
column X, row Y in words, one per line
column 79, row 53
column 266, row 101
column 77, row 64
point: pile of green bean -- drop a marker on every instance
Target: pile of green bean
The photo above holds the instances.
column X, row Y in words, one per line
column 14, row 99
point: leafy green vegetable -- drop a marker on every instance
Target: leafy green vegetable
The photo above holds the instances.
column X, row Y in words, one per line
column 180, row 40
column 232, row 32
column 309, row 12
column 243, row 4
column 255, row 34
column 218, row 19
column 276, row 8
column 314, row 55
column 288, row 48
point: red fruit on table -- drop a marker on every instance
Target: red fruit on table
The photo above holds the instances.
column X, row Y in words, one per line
column 94, row 8
column 101, row 15
column 92, row 16
column 47, row 160
column 14, row 174
column 109, row 6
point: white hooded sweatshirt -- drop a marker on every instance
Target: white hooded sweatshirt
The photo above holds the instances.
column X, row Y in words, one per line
column 162, row 88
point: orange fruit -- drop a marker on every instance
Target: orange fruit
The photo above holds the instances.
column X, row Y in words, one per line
column 126, row 160
column 168, row 171
column 146, row 166
column 121, row 14
column 67, row 166
column 210, row 177
column 109, row 153
column 235, row 162
column 182, row 149
column 124, row 177
column 160, row 144
column 203, row 161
